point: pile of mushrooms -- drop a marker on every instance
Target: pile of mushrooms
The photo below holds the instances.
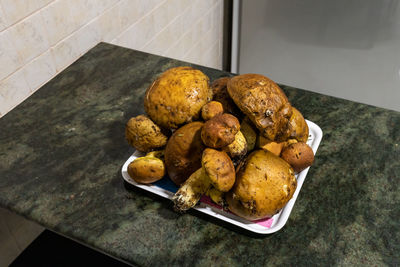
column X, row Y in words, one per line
column 239, row 141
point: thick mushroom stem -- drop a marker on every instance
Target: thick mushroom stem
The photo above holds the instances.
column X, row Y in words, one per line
column 217, row 170
column 238, row 148
column 191, row 191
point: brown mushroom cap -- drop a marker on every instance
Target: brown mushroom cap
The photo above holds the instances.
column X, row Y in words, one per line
column 143, row 134
column 264, row 184
column 221, row 95
column 183, row 152
column 146, row 169
column 262, row 101
column 211, row 109
column 219, row 169
column 298, row 155
column 177, row 96
column 220, row 131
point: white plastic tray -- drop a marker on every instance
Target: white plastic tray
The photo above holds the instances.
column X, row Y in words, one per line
column 164, row 188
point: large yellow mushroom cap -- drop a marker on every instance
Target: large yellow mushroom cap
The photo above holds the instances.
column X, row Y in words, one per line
column 177, row 96
column 264, row 184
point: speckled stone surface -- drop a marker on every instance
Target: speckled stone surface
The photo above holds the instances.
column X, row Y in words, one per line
column 61, row 152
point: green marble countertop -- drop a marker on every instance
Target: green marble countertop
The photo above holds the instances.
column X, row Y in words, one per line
column 61, row 153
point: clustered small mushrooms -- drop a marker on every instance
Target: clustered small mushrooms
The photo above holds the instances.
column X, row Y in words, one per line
column 238, row 140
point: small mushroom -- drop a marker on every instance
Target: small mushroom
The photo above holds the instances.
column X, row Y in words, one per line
column 147, row 169
column 217, row 170
column 238, row 148
column 220, row 131
column 211, row 109
column 144, row 135
column 298, row 155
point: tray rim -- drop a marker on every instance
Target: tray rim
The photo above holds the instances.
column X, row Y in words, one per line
column 281, row 217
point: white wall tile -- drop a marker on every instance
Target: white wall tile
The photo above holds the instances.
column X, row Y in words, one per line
column 42, row 3
column 3, row 22
column 63, row 17
column 16, row 10
column 40, row 70
column 218, row 20
column 108, row 24
column 210, row 57
column 57, row 20
column 82, row 11
column 194, row 54
column 206, row 22
column 29, row 37
column 87, row 37
column 187, row 41
column 199, row 8
column 166, row 38
column 9, row 58
column 138, row 34
column 67, row 51
column 102, row 5
column 147, row 6
column 176, row 50
column 160, row 16
column 208, row 39
column 13, row 90
column 173, row 8
column 130, row 12
column 133, row 10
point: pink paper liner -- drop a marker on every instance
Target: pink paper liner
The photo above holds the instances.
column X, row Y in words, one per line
column 263, row 222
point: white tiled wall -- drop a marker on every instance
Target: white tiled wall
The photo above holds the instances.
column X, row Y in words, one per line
column 40, row 38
